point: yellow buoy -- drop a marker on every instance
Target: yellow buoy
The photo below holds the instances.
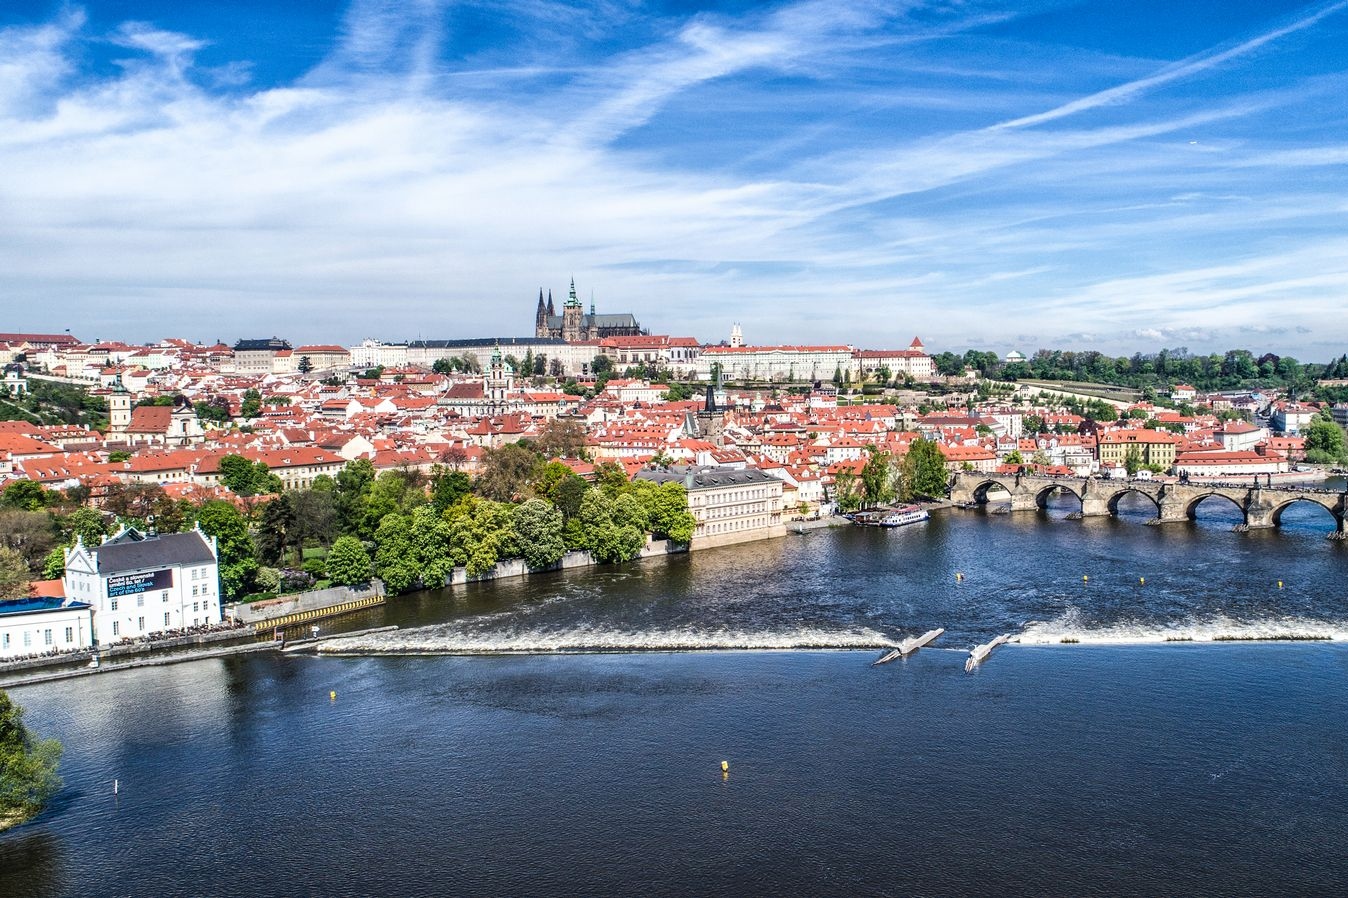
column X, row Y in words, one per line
column 1142, row 580
column 332, row 696
column 725, row 766
column 1085, row 579
column 1280, row 584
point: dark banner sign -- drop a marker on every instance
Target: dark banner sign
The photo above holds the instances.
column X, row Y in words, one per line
column 131, row 584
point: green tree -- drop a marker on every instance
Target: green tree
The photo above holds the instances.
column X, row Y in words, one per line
column 14, row 576
column 569, row 494
column 315, row 516
column 24, row 494
column 1014, row 458
column 55, row 564
column 538, row 525
column 923, row 470
column 678, row 392
column 353, row 483
column 506, row 472
column 1132, row 460
column 447, row 488
column 395, row 559
column 305, row 365
column 251, row 405
column 846, row 491
column 214, row 410
column 30, row 533
column 246, row 477
column 561, row 438
column 666, row 508
column 431, row 536
column 238, row 559
column 611, row 478
column 1324, row 441
column 877, row 477
column 277, row 530
column 27, row 767
column 348, row 564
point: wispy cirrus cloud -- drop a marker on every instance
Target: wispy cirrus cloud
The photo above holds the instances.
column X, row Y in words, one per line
column 814, row 170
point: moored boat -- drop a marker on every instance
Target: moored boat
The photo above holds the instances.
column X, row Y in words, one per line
column 908, row 514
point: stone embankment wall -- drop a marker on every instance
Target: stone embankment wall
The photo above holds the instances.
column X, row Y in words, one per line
column 515, row 567
column 300, row 602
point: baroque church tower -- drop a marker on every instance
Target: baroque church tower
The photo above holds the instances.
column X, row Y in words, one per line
column 572, row 313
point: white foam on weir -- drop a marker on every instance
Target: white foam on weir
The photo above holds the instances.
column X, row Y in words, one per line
column 586, row 639
column 1069, row 630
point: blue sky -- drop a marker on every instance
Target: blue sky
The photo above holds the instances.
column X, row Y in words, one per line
column 1119, row 176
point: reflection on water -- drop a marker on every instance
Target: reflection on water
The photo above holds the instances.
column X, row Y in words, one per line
column 1124, row 769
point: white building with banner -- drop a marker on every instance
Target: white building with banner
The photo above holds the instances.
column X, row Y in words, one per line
column 139, row 584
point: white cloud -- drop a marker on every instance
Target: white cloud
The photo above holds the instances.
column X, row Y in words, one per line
column 375, row 195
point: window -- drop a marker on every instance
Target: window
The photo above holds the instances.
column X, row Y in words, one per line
column 196, row 606
column 116, row 628
column 4, row 641
column 166, row 618
column 194, row 589
column 140, row 600
column 27, row 639
column 113, row 605
column 70, row 634
column 140, row 622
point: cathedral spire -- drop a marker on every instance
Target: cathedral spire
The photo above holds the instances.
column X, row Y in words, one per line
column 551, row 310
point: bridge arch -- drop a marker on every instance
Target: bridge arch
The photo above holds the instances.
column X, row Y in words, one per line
column 1317, row 502
column 1191, row 506
column 1042, row 496
column 1113, row 503
column 980, row 492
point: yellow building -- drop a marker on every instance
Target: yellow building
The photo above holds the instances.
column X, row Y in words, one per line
column 1155, row 447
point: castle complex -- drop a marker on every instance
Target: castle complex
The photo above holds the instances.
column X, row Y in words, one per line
column 574, row 326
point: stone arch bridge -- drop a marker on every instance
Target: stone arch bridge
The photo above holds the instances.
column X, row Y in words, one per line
column 1261, row 506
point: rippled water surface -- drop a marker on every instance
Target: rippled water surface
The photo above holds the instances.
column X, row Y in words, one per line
column 1119, row 764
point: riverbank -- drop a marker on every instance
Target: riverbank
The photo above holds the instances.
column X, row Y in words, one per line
column 251, row 647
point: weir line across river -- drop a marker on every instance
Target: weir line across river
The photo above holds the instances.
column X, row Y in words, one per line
column 1262, row 506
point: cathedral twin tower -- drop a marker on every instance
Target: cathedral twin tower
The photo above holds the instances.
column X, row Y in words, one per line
column 574, row 326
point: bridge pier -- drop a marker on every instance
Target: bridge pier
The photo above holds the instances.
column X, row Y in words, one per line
column 1258, row 510
column 1174, row 506
column 1341, row 527
column 1094, row 501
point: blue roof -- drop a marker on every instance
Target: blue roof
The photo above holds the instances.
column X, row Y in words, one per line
column 30, row 606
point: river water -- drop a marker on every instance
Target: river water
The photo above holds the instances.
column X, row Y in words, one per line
column 564, row 734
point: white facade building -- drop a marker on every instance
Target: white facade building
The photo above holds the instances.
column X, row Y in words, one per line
column 139, row 584
column 36, row 626
column 728, row 504
column 780, row 363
